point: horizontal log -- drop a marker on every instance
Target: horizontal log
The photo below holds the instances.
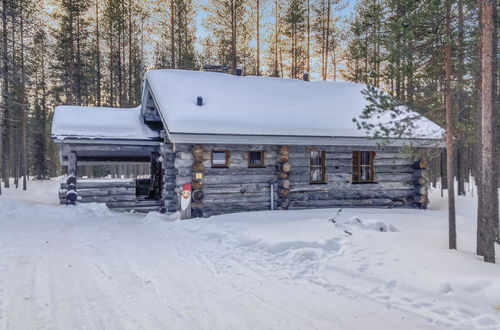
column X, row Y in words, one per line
column 233, row 147
column 347, row 177
column 103, row 191
column 382, row 202
column 348, row 162
column 296, row 188
column 348, row 169
column 104, row 183
column 222, row 194
column 237, row 199
column 346, row 155
column 104, row 199
column 216, row 208
column 236, row 188
column 241, row 171
column 346, row 148
column 228, row 179
column 138, row 149
column 178, row 163
column 350, row 194
column 136, row 203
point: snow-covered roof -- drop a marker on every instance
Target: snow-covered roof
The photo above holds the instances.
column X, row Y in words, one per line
column 255, row 106
column 100, row 123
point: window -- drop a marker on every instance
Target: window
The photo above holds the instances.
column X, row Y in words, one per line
column 363, row 166
column 256, row 158
column 220, row 158
column 317, row 166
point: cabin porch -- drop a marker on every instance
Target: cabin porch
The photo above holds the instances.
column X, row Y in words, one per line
column 124, row 176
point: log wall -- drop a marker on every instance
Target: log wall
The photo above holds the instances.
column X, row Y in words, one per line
column 117, row 194
column 236, row 188
column 400, row 182
column 394, row 187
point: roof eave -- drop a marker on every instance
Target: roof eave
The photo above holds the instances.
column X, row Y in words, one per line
column 198, row 138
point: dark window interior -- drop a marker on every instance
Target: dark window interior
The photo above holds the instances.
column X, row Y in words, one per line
column 256, row 159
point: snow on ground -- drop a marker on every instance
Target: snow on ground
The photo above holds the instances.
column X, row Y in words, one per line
column 86, row 267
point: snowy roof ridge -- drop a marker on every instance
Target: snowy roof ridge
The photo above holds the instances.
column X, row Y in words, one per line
column 100, row 123
column 267, row 106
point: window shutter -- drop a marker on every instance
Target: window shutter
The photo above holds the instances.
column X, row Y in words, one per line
column 356, row 155
column 372, row 165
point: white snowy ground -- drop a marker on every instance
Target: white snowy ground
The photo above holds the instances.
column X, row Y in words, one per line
column 86, row 267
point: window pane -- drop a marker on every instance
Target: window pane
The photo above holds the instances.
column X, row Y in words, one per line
column 365, row 158
column 365, row 173
column 255, row 158
column 315, row 157
column 219, row 158
column 316, row 175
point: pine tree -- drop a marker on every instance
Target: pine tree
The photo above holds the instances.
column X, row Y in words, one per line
column 295, row 27
column 226, row 21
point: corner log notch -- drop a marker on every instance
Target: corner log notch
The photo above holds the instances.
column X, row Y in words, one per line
column 421, row 197
column 198, row 171
column 168, row 203
column 284, row 168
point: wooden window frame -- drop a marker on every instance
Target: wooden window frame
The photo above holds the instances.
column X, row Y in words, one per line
column 227, row 155
column 322, row 166
column 356, row 167
column 262, row 159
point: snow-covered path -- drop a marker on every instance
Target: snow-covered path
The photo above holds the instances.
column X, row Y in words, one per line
column 88, row 268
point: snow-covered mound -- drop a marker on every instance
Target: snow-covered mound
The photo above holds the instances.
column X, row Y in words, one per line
column 355, row 222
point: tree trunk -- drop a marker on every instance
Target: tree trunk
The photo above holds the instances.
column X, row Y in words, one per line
column 6, row 99
column 488, row 179
column 23, row 108
column 461, row 151
column 327, row 42
column 98, row 56
column 257, row 71
column 233, row 37
column 172, row 34
column 308, row 36
column 450, row 133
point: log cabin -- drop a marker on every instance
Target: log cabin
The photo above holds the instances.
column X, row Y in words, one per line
column 244, row 143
